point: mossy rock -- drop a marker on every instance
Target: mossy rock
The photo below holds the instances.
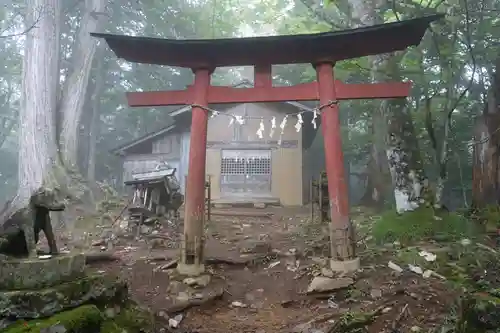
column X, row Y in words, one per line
column 98, row 289
column 37, row 274
column 84, row 319
column 88, row 318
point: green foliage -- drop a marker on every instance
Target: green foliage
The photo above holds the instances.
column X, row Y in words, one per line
column 489, row 217
column 471, row 269
column 421, row 224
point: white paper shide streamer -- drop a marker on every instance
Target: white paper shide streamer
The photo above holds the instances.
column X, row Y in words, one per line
column 240, row 120
column 313, row 121
column 273, row 127
column 298, row 125
column 282, row 127
column 260, row 131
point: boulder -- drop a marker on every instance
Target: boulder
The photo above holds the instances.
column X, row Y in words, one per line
column 83, row 319
column 17, row 274
column 36, row 303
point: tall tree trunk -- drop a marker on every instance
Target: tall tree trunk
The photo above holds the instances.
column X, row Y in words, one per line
column 378, row 189
column 38, row 157
column 94, row 121
column 75, row 89
column 486, row 149
column 401, row 146
column 405, row 163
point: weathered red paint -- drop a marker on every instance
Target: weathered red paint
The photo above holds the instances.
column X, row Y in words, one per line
column 264, row 92
column 195, row 187
column 334, row 158
column 263, row 77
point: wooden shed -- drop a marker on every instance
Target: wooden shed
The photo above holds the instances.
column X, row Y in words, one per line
column 243, row 168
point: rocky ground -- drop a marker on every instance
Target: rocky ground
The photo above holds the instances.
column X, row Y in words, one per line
column 269, row 274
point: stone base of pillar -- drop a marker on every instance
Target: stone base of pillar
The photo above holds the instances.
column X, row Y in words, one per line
column 190, row 270
column 345, row 266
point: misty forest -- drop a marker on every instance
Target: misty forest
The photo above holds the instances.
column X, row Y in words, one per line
column 182, row 184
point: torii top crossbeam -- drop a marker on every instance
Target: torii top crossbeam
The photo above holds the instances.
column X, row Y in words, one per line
column 292, row 49
column 321, row 50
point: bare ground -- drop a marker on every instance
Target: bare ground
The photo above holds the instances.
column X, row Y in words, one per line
column 267, row 293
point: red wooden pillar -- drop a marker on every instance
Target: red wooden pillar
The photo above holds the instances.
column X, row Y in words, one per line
column 340, row 229
column 193, row 242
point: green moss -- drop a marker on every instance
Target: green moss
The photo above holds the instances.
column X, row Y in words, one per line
column 111, row 327
column 83, row 319
column 135, row 320
column 421, row 224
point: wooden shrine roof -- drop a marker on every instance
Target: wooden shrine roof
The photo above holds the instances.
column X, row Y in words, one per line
column 276, row 50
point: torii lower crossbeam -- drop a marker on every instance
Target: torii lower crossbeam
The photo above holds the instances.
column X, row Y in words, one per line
column 300, row 92
column 326, row 90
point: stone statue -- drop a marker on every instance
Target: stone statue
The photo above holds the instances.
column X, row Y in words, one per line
column 19, row 232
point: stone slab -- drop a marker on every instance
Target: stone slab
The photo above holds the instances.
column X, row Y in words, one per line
column 345, row 266
column 40, row 273
column 30, row 304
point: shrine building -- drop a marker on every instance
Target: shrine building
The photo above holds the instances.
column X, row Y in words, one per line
column 242, row 167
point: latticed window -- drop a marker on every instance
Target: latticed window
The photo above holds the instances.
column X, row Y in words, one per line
column 259, row 166
column 245, row 171
column 246, row 165
column 232, row 166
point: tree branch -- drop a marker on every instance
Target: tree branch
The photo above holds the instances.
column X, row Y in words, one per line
column 25, row 31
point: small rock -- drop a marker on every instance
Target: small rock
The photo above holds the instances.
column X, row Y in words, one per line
column 302, row 328
column 98, row 242
column 257, row 247
column 199, row 281
column 415, row 329
column 395, row 267
column 320, row 261
column 145, row 230
column 415, row 269
column 322, row 284
column 327, row 272
column 287, row 303
column 198, row 296
column 54, row 329
column 183, row 296
column 175, row 322
column 109, row 312
column 376, row 293
column 237, row 304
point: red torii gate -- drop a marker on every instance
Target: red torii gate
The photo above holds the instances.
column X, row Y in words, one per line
column 321, row 50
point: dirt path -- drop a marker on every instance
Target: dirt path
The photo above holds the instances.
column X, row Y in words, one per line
column 267, row 294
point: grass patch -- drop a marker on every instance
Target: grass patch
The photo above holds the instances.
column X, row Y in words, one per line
column 421, row 225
